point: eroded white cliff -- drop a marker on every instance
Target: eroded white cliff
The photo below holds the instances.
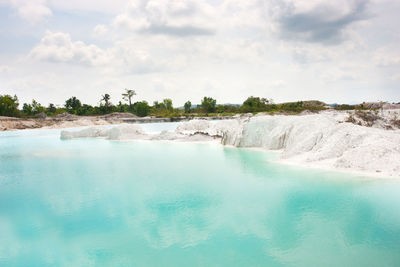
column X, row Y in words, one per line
column 322, row 140
column 319, row 140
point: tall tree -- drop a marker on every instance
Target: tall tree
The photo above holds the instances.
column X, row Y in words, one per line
column 106, row 98
column 208, row 104
column 187, row 106
column 51, row 108
column 168, row 104
column 32, row 109
column 127, row 96
column 73, row 104
column 107, row 107
column 8, row 105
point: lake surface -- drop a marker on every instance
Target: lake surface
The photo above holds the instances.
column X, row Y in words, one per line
column 94, row 202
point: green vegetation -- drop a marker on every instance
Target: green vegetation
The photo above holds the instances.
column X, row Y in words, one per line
column 208, row 104
column 254, row 104
column 127, row 96
column 51, row 109
column 72, row 105
column 162, row 109
column 345, row 107
column 9, row 105
column 187, row 106
column 33, row 109
column 141, row 109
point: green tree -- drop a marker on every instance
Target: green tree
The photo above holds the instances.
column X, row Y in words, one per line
column 106, row 98
column 254, row 104
column 107, row 107
column 27, row 109
column 51, row 109
column 73, row 104
column 128, row 96
column 33, row 108
column 121, row 107
column 187, row 106
column 168, row 104
column 37, row 107
column 141, row 109
column 8, row 105
column 208, row 104
column 156, row 105
column 85, row 110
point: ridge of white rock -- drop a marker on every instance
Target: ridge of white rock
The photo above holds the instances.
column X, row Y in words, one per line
column 317, row 140
column 85, row 133
column 204, row 132
column 204, row 127
column 126, row 132
column 120, row 132
column 322, row 140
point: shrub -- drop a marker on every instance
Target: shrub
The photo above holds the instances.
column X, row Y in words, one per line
column 141, row 109
column 254, row 104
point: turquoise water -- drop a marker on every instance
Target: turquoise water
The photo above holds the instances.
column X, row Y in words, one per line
column 94, row 202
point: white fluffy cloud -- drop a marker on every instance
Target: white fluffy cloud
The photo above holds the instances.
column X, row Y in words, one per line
column 100, row 30
column 33, row 11
column 387, row 56
column 58, row 47
column 123, row 57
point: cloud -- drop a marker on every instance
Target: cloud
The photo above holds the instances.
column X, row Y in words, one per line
column 387, row 56
column 103, row 7
column 177, row 30
column 58, row 47
column 100, row 30
column 123, row 57
column 318, row 21
column 5, row 69
column 174, row 17
column 33, row 11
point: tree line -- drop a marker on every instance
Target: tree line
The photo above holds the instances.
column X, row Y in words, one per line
column 9, row 106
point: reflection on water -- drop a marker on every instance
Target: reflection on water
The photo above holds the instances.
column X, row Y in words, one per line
column 93, row 202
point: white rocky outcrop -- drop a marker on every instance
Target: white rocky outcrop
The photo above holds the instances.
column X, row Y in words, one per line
column 85, row 133
column 120, row 132
column 322, row 140
column 126, row 132
column 214, row 129
column 318, row 140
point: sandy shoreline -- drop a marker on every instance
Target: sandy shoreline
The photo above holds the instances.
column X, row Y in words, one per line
column 70, row 121
column 61, row 121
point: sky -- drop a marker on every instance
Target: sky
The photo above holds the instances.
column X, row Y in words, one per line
column 343, row 51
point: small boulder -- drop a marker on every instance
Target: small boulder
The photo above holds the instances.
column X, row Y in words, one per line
column 41, row 115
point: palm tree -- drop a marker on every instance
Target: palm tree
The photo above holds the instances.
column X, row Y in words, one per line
column 128, row 95
column 106, row 99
